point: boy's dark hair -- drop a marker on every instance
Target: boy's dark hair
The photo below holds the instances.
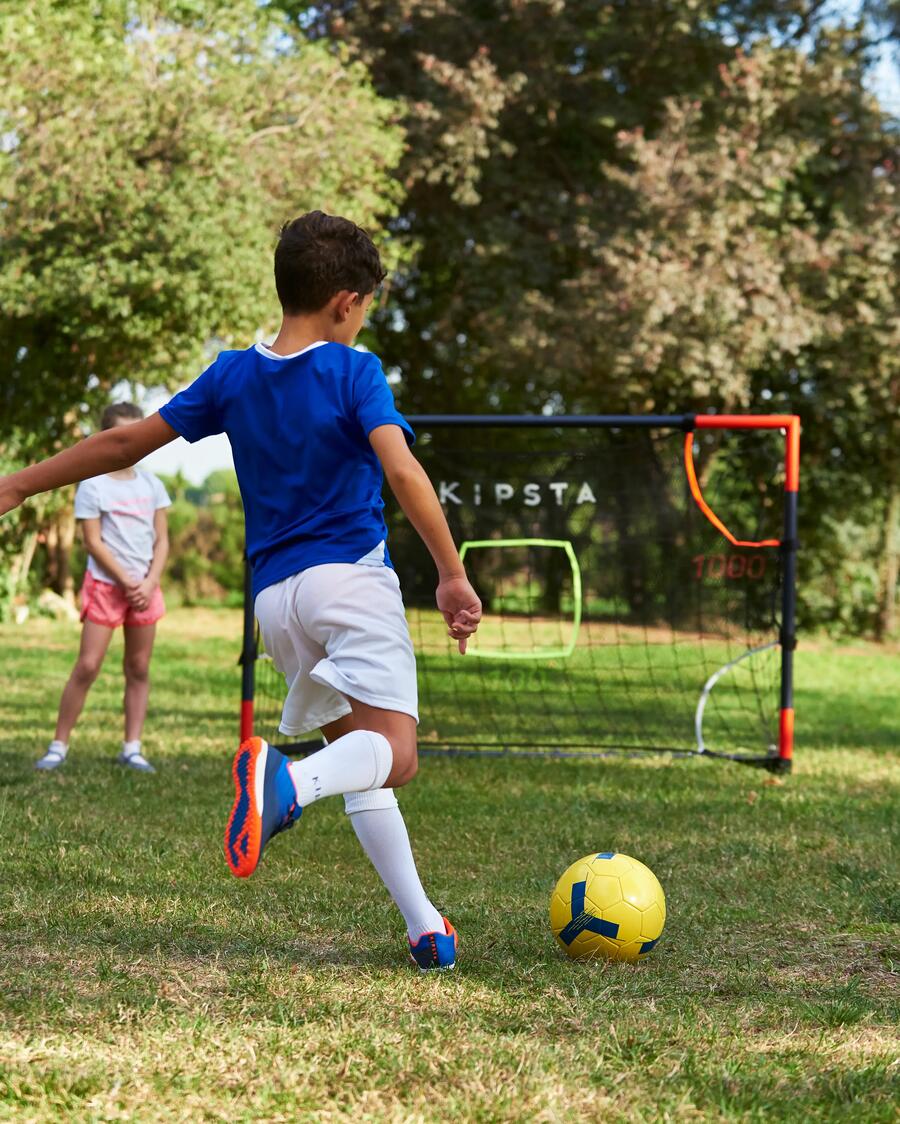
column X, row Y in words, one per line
column 317, row 256
column 117, row 410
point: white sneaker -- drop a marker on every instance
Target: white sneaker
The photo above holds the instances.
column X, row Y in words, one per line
column 53, row 758
column 132, row 758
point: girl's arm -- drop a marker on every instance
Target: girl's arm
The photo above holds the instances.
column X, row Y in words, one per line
column 139, row 597
column 120, row 447
column 456, row 599
column 101, row 554
column 160, row 547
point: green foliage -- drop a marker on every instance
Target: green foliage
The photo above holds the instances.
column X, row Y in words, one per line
column 21, row 529
column 507, row 171
column 206, row 535
column 840, row 580
column 12, row 532
column 687, row 204
column 652, row 223
column 149, row 153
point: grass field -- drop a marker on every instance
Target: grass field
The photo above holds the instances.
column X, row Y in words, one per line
column 138, row 981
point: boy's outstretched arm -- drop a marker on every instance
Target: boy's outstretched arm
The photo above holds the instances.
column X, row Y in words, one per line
column 409, row 482
column 120, row 447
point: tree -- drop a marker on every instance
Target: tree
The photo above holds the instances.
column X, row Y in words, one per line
column 852, row 405
column 648, row 220
column 759, row 267
column 707, row 291
column 886, row 14
column 512, row 112
column 206, row 532
column 148, row 154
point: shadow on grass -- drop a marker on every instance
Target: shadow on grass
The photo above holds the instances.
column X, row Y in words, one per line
column 847, row 720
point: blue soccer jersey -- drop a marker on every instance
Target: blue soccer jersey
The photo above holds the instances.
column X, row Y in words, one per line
column 299, row 429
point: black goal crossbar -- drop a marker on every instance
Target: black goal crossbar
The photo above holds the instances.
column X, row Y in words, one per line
column 554, row 421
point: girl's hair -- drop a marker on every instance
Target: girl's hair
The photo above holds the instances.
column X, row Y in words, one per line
column 118, row 410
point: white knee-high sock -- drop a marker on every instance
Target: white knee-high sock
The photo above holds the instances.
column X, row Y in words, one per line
column 356, row 762
column 379, row 827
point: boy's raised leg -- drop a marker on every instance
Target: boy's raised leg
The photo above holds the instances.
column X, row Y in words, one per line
column 271, row 792
column 395, row 728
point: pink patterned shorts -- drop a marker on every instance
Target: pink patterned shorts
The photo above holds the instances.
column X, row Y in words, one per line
column 105, row 603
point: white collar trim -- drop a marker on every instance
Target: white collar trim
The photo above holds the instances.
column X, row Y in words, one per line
column 270, row 354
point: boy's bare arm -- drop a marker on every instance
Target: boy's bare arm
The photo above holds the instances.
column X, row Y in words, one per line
column 101, row 553
column 115, row 448
column 409, row 482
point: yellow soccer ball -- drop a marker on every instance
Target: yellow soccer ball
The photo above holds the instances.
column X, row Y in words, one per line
column 608, row 905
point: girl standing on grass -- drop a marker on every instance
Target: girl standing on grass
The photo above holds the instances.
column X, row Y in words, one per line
column 123, row 518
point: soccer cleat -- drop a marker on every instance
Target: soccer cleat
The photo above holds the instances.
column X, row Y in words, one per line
column 435, row 951
column 265, row 802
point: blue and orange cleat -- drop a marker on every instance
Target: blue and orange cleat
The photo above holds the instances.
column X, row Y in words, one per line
column 265, row 802
column 435, row 951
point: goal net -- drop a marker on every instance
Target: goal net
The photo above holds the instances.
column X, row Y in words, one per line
column 636, row 576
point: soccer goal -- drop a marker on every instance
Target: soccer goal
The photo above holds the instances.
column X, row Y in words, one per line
column 638, row 582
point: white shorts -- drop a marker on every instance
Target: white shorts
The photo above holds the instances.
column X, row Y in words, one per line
column 335, row 631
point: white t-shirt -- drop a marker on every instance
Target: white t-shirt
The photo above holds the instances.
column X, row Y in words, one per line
column 125, row 509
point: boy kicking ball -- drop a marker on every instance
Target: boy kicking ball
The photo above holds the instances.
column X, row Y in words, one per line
column 123, row 519
column 314, row 429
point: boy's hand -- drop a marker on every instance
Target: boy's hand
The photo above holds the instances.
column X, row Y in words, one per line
column 10, row 498
column 461, row 609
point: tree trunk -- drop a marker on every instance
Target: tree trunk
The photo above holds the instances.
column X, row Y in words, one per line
column 21, row 564
column 890, row 564
column 60, row 540
column 65, row 583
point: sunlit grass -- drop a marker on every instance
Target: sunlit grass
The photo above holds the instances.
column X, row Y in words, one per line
column 139, row 981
